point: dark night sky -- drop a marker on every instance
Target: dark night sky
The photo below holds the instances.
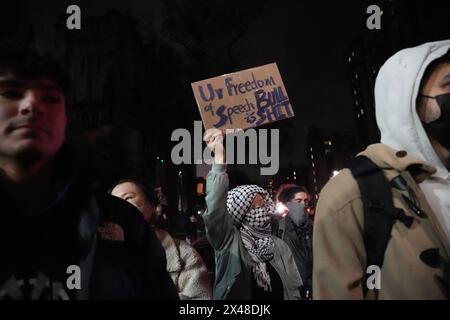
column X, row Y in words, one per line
column 307, row 39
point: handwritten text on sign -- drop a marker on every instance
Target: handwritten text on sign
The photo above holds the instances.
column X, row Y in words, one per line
column 249, row 98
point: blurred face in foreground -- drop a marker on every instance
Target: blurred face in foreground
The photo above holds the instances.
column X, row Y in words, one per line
column 32, row 117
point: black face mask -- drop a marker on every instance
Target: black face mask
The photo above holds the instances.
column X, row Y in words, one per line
column 439, row 129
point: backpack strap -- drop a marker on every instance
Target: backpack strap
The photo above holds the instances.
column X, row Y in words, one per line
column 379, row 211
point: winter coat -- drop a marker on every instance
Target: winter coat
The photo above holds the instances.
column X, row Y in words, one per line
column 233, row 270
column 186, row 268
column 83, row 245
column 338, row 248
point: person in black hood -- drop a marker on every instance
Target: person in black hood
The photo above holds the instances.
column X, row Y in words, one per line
column 59, row 238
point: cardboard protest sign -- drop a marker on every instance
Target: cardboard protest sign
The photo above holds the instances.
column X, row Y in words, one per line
column 244, row 99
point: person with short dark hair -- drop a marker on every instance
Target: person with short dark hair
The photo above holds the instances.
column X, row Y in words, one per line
column 287, row 192
column 296, row 229
column 59, row 238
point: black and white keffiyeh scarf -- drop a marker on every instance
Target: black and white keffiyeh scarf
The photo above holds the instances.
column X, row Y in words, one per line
column 254, row 225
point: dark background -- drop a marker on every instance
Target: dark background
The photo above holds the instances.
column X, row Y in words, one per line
column 132, row 63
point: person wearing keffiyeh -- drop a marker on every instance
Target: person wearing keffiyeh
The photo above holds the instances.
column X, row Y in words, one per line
column 254, row 225
column 251, row 263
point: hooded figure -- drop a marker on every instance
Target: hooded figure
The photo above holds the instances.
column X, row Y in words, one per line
column 396, row 92
column 250, row 262
column 413, row 123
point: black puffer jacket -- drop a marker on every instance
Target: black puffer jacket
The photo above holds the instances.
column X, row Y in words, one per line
column 84, row 245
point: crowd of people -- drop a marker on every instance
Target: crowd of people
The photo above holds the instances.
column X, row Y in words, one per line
column 381, row 227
